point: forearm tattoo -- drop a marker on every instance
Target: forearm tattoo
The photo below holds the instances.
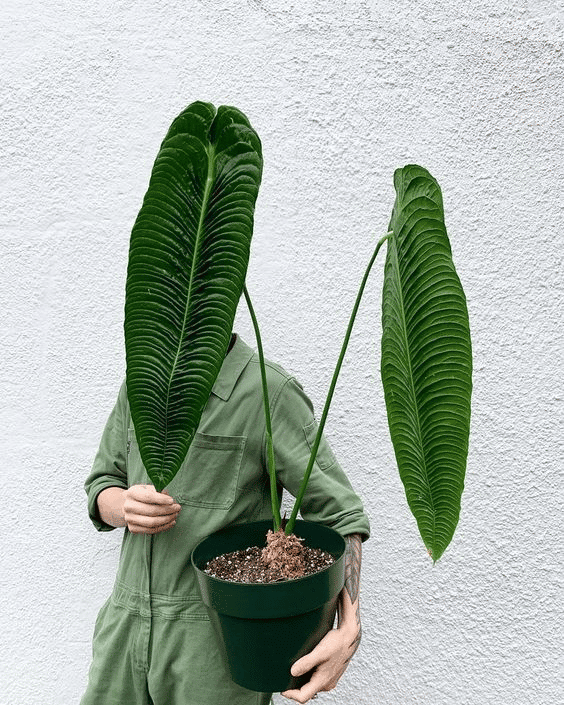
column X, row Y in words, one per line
column 353, row 556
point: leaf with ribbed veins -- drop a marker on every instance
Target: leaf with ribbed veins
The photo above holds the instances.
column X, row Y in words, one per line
column 188, row 259
column 426, row 358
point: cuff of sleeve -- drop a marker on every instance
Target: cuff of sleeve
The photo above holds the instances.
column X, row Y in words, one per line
column 93, row 492
column 354, row 523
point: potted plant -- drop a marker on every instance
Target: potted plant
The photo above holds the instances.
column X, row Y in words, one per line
column 426, row 374
column 188, row 259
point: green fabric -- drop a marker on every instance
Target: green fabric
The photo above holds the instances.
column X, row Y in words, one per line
column 142, row 661
column 222, row 481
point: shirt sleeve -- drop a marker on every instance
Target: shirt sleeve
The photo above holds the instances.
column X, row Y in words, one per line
column 109, row 468
column 329, row 498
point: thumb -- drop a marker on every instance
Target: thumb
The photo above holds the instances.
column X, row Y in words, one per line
column 306, row 663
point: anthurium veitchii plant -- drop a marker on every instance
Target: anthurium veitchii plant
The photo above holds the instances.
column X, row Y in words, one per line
column 187, row 264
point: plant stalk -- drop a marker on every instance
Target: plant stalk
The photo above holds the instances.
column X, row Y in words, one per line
column 277, row 519
column 297, row 504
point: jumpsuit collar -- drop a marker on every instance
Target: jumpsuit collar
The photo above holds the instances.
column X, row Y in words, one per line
column 235, row 362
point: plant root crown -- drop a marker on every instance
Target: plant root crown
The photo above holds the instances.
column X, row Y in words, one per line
column 283, row 555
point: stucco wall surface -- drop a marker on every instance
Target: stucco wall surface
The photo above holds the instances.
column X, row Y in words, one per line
column 341, row 95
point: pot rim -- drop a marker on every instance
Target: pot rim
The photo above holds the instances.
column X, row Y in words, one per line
column 301, row 579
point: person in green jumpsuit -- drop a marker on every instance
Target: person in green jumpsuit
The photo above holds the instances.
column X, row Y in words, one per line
column 153, row 642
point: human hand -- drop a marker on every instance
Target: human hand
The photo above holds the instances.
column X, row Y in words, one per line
column 147, row 511
column 330, row 659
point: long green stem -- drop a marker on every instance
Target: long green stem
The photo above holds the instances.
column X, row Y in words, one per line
column 277, row 519
column 303, row 486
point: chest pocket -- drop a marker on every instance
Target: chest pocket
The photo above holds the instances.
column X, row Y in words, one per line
column 209, row 475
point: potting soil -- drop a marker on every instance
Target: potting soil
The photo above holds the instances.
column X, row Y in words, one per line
column 247, row 566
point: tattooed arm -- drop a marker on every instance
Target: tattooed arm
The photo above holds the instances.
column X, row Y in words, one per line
column 331, row 656
column 349, row 604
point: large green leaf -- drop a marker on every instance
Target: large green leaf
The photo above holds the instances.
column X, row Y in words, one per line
column 426, row 358
column 187, row 263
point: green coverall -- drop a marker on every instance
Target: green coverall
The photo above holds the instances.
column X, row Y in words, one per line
column 153, row 643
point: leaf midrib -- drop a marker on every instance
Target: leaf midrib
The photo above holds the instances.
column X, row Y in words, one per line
column 210, row 149
column 417, row 415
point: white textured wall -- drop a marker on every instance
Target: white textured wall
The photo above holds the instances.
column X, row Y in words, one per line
column 341, row 93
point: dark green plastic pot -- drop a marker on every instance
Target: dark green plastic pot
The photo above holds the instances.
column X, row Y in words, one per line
column 264, row 629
